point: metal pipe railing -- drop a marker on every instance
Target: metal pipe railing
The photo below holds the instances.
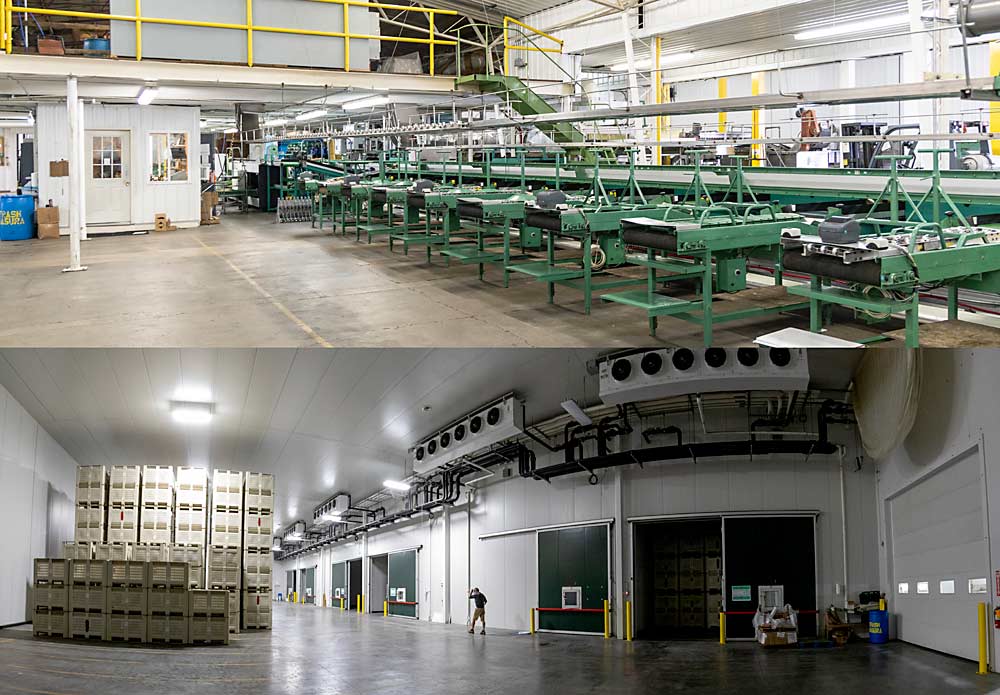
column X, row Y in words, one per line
column 138, row 19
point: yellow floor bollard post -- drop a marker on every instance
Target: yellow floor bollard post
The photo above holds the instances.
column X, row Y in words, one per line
column 385, row 609
column 628, row 621
column 324, row 599
column 607, row 620
column 532, row 623
column 983, row 640
column 722, row 627
column 359, row 604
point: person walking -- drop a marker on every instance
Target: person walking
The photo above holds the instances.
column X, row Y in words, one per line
column 480, row 613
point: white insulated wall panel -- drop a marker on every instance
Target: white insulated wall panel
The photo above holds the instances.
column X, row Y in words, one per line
column 37, row 488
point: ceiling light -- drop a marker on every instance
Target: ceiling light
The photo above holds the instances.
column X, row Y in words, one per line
column 396, row 485
column 231, row 131
column 147, row 96
column 861, row 27
column 275, row 122
column 312, row 115
column 366, row 102
column 638, row 65
column 576, row 412
column 189, row 413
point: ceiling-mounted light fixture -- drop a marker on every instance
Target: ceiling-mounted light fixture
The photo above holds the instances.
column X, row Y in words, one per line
column 396, row 485
column 190, row 413
column 365, row 102
column 576, row 412
column 312, row 115
column 275, row 123
column 861, row 27
column 147, row 96
column 231, row 131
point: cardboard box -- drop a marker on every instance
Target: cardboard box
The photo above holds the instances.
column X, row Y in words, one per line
column 59, row 170
column 51, row 47
column 777, row 638
column 48, row 230
column 47, row 215
column 161, row 223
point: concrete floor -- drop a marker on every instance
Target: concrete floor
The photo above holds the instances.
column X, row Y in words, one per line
column 249, row 282
column 313, row 651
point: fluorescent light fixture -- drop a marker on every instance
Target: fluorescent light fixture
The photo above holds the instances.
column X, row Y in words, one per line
column 275, row 122
column 365, row 102
column 396, row 485
column 647, row 63
column 576, row 412
column 231, row 131
column 147, row 96
column 189, row 413
column 638, row 65
column 861, row 27
column 312, row 115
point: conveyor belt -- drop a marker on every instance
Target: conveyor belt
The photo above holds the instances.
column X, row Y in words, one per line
column 549, row 220
column 865, row 273
column 635, row 236
column 470, row 210
column 416, row 199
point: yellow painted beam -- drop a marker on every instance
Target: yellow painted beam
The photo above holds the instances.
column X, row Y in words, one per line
column 250, row 33
column 756, row 87
column 138, row 30
column 995, row 105
column 658, row 95
column 723, row 84
column 532, row 29
column 430, row 23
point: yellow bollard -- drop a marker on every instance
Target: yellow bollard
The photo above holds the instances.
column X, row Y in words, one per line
column 722, row 627
column 881, row 604
column 531, row 627
column 385, row 609
column 324, row 599
column 983, row 640
column 607, row 620
column 341, row 603
column 359, row 604
column 628, row 621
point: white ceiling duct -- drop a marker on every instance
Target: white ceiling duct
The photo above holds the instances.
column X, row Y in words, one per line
column 887, row 394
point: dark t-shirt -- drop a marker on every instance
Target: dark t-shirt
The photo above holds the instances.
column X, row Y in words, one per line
column 480, row 600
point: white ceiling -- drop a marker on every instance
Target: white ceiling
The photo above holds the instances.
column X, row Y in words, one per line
column 320, row 420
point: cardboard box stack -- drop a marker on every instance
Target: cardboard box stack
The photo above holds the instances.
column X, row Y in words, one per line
column 777, row 627
column 48, row 222
column 209, row 199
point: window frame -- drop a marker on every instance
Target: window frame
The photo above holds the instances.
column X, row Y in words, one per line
column 169, row 135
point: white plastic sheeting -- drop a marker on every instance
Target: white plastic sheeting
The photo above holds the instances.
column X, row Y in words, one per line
column 887, row 393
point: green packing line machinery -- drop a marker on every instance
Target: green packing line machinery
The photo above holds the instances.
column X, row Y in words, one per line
column 493, row 216
column 708, row 247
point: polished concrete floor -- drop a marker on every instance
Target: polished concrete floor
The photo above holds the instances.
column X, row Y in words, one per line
column 250, row 282
column 322, row 651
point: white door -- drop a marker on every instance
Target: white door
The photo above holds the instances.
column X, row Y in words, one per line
column 109, row 183
column 940, row 558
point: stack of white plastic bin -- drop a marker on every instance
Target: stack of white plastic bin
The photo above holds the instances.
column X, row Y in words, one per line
column 191, row 521
column 157, row 514
column 123, row 506
column 227, row 539
column 91, row 504
column 258, row 529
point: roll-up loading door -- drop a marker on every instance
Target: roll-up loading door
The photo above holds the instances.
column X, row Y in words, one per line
column 769, row 551
column 573, row 578
column 940, row 557
column 354, row 579
column 403, row 583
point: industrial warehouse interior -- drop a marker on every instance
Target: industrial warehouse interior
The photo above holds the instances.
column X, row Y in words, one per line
column 720, row 518
column 604, row 346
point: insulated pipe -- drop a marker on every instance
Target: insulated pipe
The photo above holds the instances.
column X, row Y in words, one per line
column 82, row 164
column 843, row 520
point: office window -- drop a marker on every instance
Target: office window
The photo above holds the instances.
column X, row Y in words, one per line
column 977, row 586
column 904, row 588
column 947, row 586
column 923, row 588
column 168, row 155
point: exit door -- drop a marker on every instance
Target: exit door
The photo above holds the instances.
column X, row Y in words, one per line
column 109, row 177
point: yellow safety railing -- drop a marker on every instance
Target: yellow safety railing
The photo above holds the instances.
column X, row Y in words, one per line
column 508, row 46
column 138, row 19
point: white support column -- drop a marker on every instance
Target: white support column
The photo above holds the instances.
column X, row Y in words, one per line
column 446, row 580
column 365, row 574
column 75, row 182
column 633, row 81
column 82, row 165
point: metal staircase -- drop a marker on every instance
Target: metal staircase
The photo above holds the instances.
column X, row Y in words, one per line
column 528, row 103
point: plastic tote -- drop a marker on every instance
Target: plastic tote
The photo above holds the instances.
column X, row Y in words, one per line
column 878, row 627
column 17, row 217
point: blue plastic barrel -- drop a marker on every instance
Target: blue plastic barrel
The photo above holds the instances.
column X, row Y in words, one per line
column 878, row 627
column 17, row 217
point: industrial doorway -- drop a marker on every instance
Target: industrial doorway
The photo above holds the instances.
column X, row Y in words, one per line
column 574, row 573
column 378, row 582
column 403, row 583
column 290, row 585
column 678, row 579
column 109, row 177
column 338, row 583
column 354, row 588
column 307, row 580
